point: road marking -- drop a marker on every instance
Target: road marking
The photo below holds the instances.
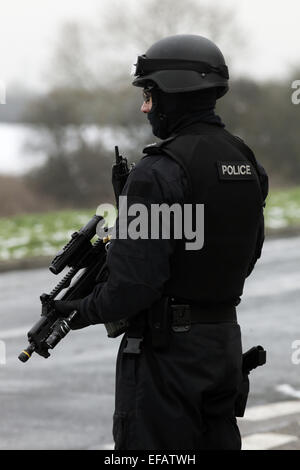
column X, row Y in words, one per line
column 103, row 447
column 287, row 389
column 259, row 441
column 273, row 410
column 14, row 332
column 265, row 441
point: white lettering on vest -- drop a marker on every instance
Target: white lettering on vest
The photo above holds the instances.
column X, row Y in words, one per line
column 236, row 170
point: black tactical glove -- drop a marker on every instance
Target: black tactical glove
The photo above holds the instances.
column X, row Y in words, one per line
column 65, row 307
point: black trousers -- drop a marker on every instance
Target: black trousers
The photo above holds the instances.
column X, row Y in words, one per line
column 181, row 398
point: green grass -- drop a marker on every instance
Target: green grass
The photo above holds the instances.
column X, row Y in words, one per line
column 39, row 234
column 44, row 234
column 283, row 209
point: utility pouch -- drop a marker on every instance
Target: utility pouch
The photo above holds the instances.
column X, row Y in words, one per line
column 181, row 318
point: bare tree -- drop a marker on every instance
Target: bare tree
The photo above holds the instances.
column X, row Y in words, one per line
column 142, row 23
column 89, row 79
column 100, row 54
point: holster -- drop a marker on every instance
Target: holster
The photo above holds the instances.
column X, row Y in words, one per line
column 242, row 397
column 253, row 358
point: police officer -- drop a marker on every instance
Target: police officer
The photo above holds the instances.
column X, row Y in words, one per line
column 179, row 363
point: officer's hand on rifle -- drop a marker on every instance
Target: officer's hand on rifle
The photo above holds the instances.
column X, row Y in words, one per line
column 63, row 309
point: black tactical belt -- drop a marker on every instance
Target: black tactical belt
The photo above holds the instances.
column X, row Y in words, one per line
column 184, row 315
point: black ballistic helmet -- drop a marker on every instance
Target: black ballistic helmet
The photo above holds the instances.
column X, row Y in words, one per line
column 183, row 63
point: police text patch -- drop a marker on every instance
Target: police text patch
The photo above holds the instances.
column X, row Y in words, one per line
column 235, row 170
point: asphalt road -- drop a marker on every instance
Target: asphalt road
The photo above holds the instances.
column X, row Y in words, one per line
column 66, row 401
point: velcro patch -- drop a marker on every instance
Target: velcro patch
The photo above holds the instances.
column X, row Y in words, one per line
column 236, row 170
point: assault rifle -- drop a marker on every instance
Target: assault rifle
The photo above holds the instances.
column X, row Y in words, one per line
column 87, row 263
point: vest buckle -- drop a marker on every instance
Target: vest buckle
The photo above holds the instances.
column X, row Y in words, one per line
column 133, row 345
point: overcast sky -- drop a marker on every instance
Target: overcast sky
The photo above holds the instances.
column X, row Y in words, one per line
column 28, row 30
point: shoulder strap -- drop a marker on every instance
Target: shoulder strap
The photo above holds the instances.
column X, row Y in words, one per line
column 164, row 147
column 156, row 147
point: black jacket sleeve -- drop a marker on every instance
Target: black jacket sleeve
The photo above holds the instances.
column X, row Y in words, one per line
column 264, row 185
column 138, row 268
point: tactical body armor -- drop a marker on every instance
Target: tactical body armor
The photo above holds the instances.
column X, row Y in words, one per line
column 223, row 175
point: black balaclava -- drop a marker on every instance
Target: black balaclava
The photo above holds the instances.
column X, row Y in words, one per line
column 171, row 112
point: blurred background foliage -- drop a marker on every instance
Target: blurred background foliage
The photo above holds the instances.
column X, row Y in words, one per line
column 90, row 106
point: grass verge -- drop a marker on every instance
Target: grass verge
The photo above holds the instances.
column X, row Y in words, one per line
column 42, row 235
